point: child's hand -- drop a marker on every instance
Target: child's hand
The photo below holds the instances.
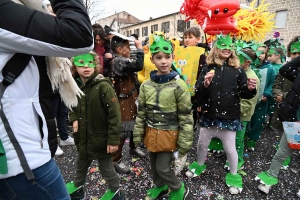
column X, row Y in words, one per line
column 108, row 55
column 279, row 98
column 208, row 78
column 251, row 82
column 75, row 126
column 264, row 99
column 112, row 149
column 138, row 44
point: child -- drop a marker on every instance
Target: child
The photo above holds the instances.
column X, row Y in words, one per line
column 164, row 121
column 276, row 57
column 247, row 56
column 126, row 87
column 221, row 84
column 96, row 125
column 288, row 71
column 191, row 37
column 266, row 74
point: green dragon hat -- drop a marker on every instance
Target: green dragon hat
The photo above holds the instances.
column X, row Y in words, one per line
column 224, row 42
column 295, row 47
column 242, row 54
column 160, row 44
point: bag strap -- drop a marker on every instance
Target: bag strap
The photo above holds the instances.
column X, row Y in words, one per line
column 13, row 68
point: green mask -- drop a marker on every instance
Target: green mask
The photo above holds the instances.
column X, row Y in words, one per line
column 295, row 47
column 160, row 44
column 224, row 42
column 84, row 60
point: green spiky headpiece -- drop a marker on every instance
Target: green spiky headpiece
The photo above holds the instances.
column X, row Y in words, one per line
column 160, row 44
column 224, row 42
column 239, row 45
column 295, row 47
column 272, row 50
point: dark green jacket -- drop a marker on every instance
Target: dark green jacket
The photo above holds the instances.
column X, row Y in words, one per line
column 99, row 118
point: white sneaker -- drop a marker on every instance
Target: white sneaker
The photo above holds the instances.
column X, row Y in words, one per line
column 298, row 194
column 59, row 151
column 264, row 188
column 69, row 141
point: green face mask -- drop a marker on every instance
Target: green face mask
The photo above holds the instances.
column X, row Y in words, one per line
column 160, row 44
column 224, row 42
column 295, row 47
column 84, row 60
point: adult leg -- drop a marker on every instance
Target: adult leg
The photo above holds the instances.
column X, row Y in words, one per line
column 61, row 120
column 48, row 185
column 283, row 152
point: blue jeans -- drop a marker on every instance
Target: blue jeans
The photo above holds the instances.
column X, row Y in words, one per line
column 48, row 184
column 60, row 111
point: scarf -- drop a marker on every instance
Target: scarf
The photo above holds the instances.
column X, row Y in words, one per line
column 100, row 50
column 58, row 68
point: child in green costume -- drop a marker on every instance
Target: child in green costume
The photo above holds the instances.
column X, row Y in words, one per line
column 276, row 57
column 164, row 121
column 288, row 70
column 247, row 56
column 266, row 74
column 221, row 85
column 96, row 125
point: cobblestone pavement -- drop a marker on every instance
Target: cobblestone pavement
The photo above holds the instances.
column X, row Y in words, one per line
column 210, row 185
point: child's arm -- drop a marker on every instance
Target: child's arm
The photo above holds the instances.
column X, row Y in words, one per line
column 185, row 117
column 277, row 88
column 113, row 111
column 137, row 65
column 291, row 69
column 139, row 127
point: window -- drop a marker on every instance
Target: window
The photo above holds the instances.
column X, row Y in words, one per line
column 137, row 31
column 154, row 28
column 165, row 27
column 145, row 31
column 128, row 34
column 281, row 16
column 182, row 25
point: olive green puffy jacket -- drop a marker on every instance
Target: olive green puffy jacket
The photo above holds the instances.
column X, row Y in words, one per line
column 99, row 118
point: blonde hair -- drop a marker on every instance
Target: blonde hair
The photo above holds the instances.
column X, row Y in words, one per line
column 213, row 58
column 97, row 61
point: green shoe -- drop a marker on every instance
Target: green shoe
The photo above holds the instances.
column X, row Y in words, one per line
column 157, row 192
column 234, row 182
column 195, row 170
column 180, row 194
column 286, row 163
column 240, row 166
column 109, row 195
column 71, row 187
column 266, row 179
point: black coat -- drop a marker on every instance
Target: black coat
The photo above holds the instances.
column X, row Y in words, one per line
column 221, row 100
